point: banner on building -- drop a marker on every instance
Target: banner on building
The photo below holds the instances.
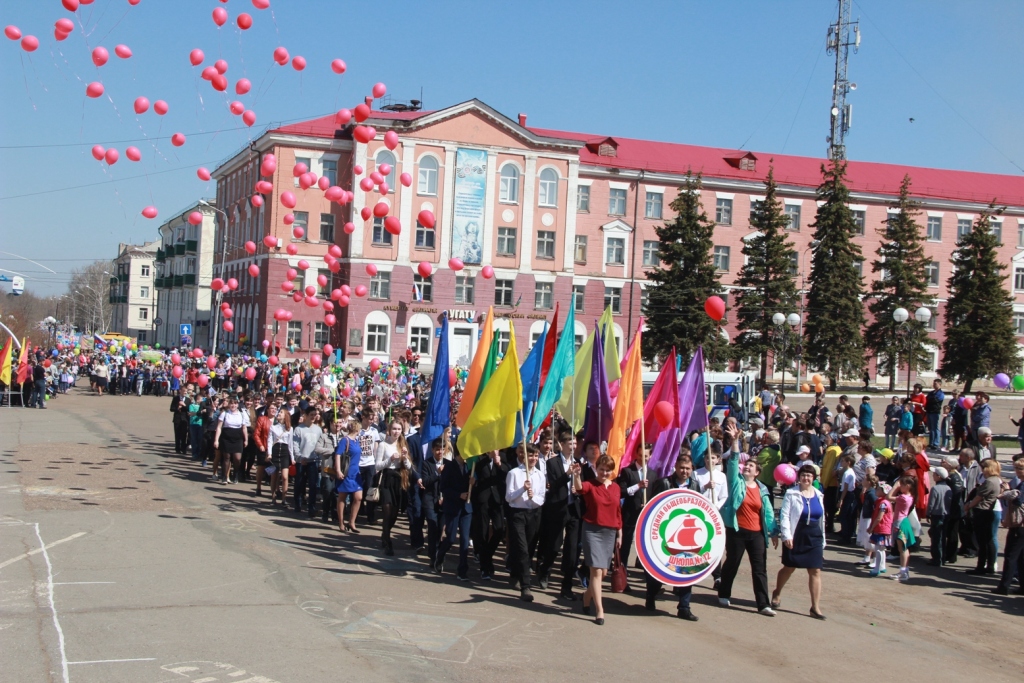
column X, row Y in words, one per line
column 469, row 195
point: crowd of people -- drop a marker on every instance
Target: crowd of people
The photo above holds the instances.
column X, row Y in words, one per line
column 348, row 442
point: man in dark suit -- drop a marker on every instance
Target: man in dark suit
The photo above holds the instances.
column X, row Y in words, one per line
column 681, row 478
column 414, row 509
column 428, row 488
column 454, row 484
column 488, row 499
column 633, row 482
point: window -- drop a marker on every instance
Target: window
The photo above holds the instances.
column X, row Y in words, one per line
column 503, row 341
column 427, row 176
column 190, row 265
column 579, row 252
column 376, row 338
column 1018, row 279
column 932, row 273
column 301, row 221
column 331, row 170
column 326, row 227
column 723, row 211
column 644, row 296
column 652, row 205
column 793, row 213
column 294, row 335
column 578, row 291
column 934, row 229
column 583, row 199
column 424, row 237
column 933, row 322
column 464, row 286
column 651, row 253
column 144, row 292
column 386, row 157
column 860, row 219
column 858, row 265
column 143, row 313
column 617, row 203
column 1018, row 323
column 381, row 237
column 996, row 228
column 509, row 190
column 613, row 298
column 547, row 194
column 321, row 334
column 326, row 289
column 963, row 227
column 545, row 244
column 380, row 286
column 506, row 241
column 1020, row 233
column 615, row 253
column 503, row 292
column 721, row 258
column 419, row 340
column 794, row 263
column 144, row 272
column 544, row 295
column 141, row 335
column 303, row 160
column 423, row 287
column 755, row 206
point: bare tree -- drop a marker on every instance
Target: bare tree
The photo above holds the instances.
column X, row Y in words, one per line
column 89, row 291
column 22, row 314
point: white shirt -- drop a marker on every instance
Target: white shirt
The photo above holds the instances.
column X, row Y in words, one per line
column 515, row 488
column 370, row 436
column 279, row 434
column 631, row 490
column 235, row 420
column 721, row 486
column 849, row 481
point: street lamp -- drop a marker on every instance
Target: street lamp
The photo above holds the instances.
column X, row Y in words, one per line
column 223, row 257
column 793, row 320
column 902, row 316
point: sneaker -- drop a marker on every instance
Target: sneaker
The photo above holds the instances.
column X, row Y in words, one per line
column 863, row 563
column 484, row 576
column 873, row 573
column 462, row 577
column 543, row 583
column 903, row 576
column 723, row 602
column 766, row 611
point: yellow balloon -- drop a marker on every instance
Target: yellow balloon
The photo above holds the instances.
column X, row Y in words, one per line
column 213, row 374
column 77, row 352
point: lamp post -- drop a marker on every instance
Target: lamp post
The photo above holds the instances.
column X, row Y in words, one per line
column 902, row 317
column 803, row 289
column 223, row 257
column 780, row 320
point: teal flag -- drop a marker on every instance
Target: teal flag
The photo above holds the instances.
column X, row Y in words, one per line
column 562, row 366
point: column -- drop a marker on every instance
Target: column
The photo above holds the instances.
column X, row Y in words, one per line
column 569, row 250
column 405, row 209
column 526, row 242
column 487, row 242
column 358, row 202
column 447, row 203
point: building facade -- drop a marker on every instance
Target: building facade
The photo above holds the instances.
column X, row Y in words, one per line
column 554, row 213
column 132, row 291
column 184, row 270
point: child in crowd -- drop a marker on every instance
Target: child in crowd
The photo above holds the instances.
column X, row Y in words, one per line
column 868, row 498
column 902, row 499
column 880, row 529
column 946, row 428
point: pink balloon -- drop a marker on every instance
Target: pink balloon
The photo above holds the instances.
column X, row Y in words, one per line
column 298, row 232
column 287, row 286
column 261, row 4
column 111, row 156
column 254, row 270
column 100, row 56
column 361, row 112
column 785, row 473
column 232, row 284
column 29, row 43
column 377, row 177
column 424, row 269
column 364, row 133
column 381, row 209
column 343, row 300
column 346, row 290
column 266, row 343
column 176, row 358
column 242, row 86
column 70, row 5
column 342, row 117
column 14, row 33
column 94, row 89
column 149, row 212
column 221, row 65
column 298, row 169
column 338, row 66
column 160, row 107
column 456, row 264
column 306, row 180
column 288, row 219
column 334, row 250
column 177, row 139
column 390, row 140
column 257, row 200
column 360, row 290
column 393, row 225
column 357, row 169
column 328, row 306
column 426, row 219
column 177, row 371
column 383, row 188
column 270, row 242
column 332, row 193
column 219, row 83
column 220, row 16
column 303, row 264
column 311, row 301
column 291, row 274
column 385, row 169
column 141, row 105
column 122, row 51
column 249, row 117
column 281, row 56
column 244, row 21
column 133, row 154
column 216, row 284
column 324, row 183
column 405, row 179
column 228, row 326
column 349, row 228
column 328, row 349
column 298, row 63
column 236, row 107
column 453, row 377
column 330, row 320
column 374, row 365
column 196, row 57
column 365, row 184
column 487, row 272
column 250, row 247
column 264, row 187
column 379, row 90
column 98, row 152
column 371, row 269
column 250, row 374
column 62, row 25
column 203, row 381
column 208, row 73
column 288, row 199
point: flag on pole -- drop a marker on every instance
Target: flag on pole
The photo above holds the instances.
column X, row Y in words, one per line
column 438, row 413
column 98, row 341
column 598, row 422
column 665, row 388
column 693, row 415
column 491, row 364
column 529, row 375
column 492, row 424
column 573, row 403
column 629, row 406
column 561, row 367
column 24, row 371
column 5, row 362
column 476, row 369
column 550, row 341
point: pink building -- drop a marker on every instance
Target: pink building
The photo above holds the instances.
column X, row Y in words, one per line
column 553, row 212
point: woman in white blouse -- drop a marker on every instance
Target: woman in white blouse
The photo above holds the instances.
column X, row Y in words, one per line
column 394, row 466
column 279, row 445
column 231, row 438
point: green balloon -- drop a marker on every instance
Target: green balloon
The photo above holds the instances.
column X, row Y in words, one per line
column 1018, row 382
column 156, row 346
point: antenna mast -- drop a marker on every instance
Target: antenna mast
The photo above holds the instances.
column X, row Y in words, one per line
column 839, row 42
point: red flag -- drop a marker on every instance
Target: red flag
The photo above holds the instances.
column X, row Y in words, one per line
column 549, row 347
column 666, row 388
column 24, row 371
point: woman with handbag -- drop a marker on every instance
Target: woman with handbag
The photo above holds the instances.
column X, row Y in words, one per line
column 983, row 503
column 346, row 474
column 394, row 467
column 602, row 528
column 279, row 443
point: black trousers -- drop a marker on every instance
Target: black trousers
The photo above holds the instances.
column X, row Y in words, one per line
column 559, row 529
column 523, row 526
column 1013, row 557
column 752, row 543
column 968, row 541
column 986, row 539
column 180, row 436
column 951, row 536
column 487, row 531
column 831, row 502
column 937, row 532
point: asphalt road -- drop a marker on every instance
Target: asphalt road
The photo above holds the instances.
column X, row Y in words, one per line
column 121, row 561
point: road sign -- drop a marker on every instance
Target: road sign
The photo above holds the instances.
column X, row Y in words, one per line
column 186, row 340
column 158, row 322
column 185, row 329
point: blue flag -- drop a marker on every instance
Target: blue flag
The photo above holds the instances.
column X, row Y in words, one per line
column 438, row 413
column 529, row 374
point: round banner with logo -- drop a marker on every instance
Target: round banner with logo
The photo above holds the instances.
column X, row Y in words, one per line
column 680, row 537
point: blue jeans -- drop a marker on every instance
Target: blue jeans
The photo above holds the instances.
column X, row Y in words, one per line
column 308, row 477
column 39, row 393
column 195, row 435
column 456, row 521
column 933, row 429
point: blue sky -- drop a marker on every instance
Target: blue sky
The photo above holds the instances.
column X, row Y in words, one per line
column 720, row 73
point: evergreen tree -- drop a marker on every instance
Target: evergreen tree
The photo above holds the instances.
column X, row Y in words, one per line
column 766, row 281
column 676, row 291
column 980, row 337
column 903, row 284
column 835, row 310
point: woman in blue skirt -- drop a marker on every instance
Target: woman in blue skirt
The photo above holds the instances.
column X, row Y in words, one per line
column 802, row 524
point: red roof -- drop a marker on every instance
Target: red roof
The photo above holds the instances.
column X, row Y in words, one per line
column 325, row 127
column 862, row 176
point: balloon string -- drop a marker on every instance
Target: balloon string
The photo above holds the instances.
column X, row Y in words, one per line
column 265, row 91
column 273, row 18
column 152, row 143
column 25, row 78
column 115, row 24
column 262, row 81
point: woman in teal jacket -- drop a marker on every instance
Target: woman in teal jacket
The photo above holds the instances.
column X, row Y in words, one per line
column 749, row 524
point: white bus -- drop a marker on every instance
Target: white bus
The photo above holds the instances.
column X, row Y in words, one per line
column 717, row 387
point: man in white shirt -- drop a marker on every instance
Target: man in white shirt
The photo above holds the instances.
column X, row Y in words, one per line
column 525, row 488
column 369, row 437
column 712, row 471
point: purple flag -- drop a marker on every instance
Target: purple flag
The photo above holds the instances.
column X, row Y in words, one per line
column 598, row 422
column 693, row 415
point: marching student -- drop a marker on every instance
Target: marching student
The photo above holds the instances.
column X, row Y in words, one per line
column 602, row 528
column 525, row 491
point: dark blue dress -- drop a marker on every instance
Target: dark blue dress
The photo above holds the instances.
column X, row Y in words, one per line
column 808, row 541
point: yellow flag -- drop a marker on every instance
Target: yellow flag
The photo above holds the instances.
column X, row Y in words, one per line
column 476, row 370
column 5, row 362
column 572, row 406
column 492, row 424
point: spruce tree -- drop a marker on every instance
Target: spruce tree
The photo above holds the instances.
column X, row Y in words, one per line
column 980, row 338
column 687, row 277
column 766, row 281
column 835, row 311
column 903, row 284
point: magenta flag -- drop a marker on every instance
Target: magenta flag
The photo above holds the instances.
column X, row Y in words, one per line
column 692, row 415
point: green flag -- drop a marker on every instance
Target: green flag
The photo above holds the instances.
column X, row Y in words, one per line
column 573, row 402
column 490, row 365
column 561, row 367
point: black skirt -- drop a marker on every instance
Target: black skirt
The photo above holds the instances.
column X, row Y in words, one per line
column 390, row 487
column 231, row 440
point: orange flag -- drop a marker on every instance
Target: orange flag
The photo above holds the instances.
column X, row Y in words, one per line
column 629, row 406
column 476, row 370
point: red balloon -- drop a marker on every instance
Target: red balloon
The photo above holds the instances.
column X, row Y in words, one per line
column 160, row 107
column 250, row 374
column 220, row 16
column 249, row 117
column 288, row 199
column 379, row 90
column 257, row 200
column 29, row 43
column 715, row 308
column 203, row 381
column 123, row 51
column 216, row 284
column 111, row 156
column 196, row 57
column 98, row 152
column 487, row 272
column 244, row 21
column 270, row 241
column 338, row 66
column 664, row 413
column 254, row 270
column 14, row 33
column 93, row 90
column 203, row 173
column 393, row 225
column 287, row 286
column 250, row 247
column 242, row 86
column 177, row 371
column 281, row 56
column 232, row 284
column 211, row 362
column 426, row 219
column 221, row 65
column 133, row 154
column 219, row 83
column 149, row 212
column 272, row 360
column 453, row 377
column 424, row 269
column 141, row 105
column 328, row 349
column 70, row 5
column 374, row 365
column 381, row 209
column 298, row 63
column 316, row 361
column 177, row 139
column 361, row 112
column 195, row 218
column 100, row 56
column 968, row 403
column 456, row 264
column 330, row 320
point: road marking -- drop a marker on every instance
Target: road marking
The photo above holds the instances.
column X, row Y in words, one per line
column 53, row 607
column 81, row 583
column 42, row 549
column 114, row 661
